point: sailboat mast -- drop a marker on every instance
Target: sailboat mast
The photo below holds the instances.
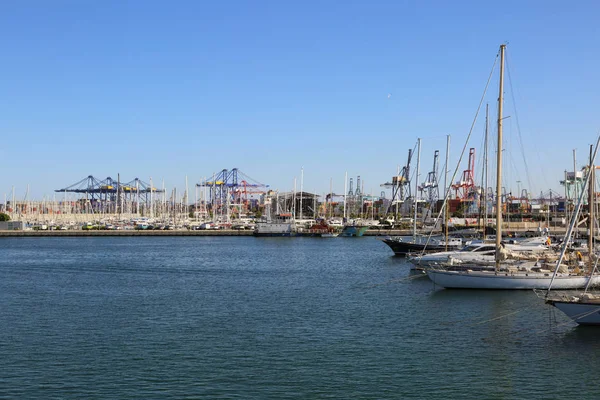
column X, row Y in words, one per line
column 416, row 189
column 591, row 204
column 331, row 196
column 301, row 190
column 485, row 181
column 345, row 194
column 576, row 195
column 446, row 192
column 499, row 160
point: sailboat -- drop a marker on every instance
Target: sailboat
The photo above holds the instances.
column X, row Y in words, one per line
column 526, row 275
column 581, row 307
column 405, row 245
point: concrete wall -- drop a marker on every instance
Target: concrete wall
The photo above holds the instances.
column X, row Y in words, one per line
column 11, row 226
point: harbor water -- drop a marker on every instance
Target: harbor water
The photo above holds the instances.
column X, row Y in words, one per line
column 269, row 318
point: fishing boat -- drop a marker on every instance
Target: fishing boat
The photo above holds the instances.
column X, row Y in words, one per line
column 282, row 225
column 353, row 229
column 524, row 275
column 320, row 229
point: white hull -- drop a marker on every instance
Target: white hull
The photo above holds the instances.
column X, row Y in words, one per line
column 275, row 229
column 505, row 280
column 582, row 313
column 329, row 235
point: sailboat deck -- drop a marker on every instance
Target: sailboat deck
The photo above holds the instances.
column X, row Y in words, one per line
column 573, row 296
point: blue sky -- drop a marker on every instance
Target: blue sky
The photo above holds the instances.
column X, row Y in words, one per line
column 188, row 88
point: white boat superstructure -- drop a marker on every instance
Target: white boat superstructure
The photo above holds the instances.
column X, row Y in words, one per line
column 483, row 253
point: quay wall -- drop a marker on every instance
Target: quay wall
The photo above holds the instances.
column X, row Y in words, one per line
column 221, row 232
column 81, row 233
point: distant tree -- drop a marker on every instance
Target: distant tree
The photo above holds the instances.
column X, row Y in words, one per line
column 4, row 217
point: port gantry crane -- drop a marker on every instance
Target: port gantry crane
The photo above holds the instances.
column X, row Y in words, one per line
column 431, row 183
column 400, row 186
column 465, row 188
column 110, row 195
column 231, row 188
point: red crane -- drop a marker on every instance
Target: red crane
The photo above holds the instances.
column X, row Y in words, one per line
column 465, row 188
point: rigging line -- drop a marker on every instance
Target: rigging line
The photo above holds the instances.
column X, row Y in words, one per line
column 567, row 322
column 512, row 94
column 469, row 319
column 447, row 189
column 500, row 317
column 414, row 170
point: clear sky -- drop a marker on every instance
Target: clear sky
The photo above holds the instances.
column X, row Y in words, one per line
column 188, row 88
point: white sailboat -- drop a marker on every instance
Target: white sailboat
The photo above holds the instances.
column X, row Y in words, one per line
column 526, row 275
column 581, row 307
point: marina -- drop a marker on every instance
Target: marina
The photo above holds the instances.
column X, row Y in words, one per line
column 299, row 200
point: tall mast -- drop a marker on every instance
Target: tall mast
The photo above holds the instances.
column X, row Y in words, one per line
column 485, row 181
column 499, row 160
column 416, row 190
column 345, row 194
column 576, row 195
column 566, row 198
column 151, row 190
column 186, row 199
column 446, row 191
column 301, row 189
column 118, row 202
column 591, row 205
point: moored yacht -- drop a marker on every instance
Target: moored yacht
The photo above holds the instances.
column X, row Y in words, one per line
column 403, row 245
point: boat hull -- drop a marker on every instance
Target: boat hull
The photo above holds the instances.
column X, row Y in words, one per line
column 329, row 235
column 275, row 234
column 350, row 231
column 582, row 313
column 276, row 229
column 506, row 281
column 403, row 248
